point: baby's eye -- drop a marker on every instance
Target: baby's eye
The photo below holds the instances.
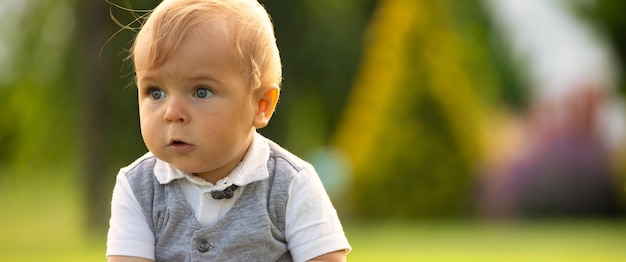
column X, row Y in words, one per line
column 156, row 93
column 203, row 92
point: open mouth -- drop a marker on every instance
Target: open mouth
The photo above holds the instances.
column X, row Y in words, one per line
column 177, row 142
column 180, row 146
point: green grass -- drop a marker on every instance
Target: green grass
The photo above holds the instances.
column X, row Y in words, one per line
column 475, row 241
column 42, row 222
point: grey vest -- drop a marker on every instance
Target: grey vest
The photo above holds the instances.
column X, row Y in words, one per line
column 253, row 230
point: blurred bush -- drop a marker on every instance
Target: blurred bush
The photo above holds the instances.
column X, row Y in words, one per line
column 415, row 125
column 38, row 112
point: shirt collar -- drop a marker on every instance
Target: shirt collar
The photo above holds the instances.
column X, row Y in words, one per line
column 252, row 168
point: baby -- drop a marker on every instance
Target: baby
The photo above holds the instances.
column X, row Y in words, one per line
column 211, row 188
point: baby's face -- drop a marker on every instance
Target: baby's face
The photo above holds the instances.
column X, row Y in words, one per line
column 196, row 109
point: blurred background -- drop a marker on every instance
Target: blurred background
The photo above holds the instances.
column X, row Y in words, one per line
column 475, row 130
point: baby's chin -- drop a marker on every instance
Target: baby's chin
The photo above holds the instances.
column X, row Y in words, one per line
column 186, row 169
column 191, row 171
column 177, row 163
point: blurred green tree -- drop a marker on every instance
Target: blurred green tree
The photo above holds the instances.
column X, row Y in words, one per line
column 38, row 115
column 320, row 43
column 415, row 126
column 109, row 119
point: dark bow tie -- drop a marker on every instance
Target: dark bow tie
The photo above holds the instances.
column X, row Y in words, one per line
column 226, row 193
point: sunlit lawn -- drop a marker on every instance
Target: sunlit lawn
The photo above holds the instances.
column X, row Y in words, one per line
column 42, row 223
column 465, row 241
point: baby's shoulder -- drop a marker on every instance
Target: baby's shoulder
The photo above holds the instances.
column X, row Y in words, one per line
column 285, row 159
column 142, row 164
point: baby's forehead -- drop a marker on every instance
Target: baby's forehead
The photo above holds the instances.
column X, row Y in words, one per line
column 154, row 45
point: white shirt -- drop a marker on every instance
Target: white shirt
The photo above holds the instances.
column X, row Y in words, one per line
column 312, row 227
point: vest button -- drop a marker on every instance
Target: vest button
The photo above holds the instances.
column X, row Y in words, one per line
column 203, row 246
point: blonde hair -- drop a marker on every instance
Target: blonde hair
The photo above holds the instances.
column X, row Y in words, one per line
column 250, row 26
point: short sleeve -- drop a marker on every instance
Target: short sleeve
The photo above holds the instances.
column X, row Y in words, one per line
column 312, row 227
column 129, row 233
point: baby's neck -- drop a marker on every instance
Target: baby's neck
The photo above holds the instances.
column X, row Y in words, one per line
column 210, row 177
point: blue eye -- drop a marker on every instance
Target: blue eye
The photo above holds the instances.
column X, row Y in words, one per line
column 156, row 93
column 203, row 92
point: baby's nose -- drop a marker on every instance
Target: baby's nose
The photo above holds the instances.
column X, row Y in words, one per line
column 175, row 111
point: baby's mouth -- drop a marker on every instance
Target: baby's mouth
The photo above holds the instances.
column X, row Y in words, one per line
column 180, row 146
column 175, row 141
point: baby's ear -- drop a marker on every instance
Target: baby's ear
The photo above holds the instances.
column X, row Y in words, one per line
column 266, row 99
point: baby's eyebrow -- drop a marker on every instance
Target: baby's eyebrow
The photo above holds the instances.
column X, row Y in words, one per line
column 205, row 78
column 146, row 78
